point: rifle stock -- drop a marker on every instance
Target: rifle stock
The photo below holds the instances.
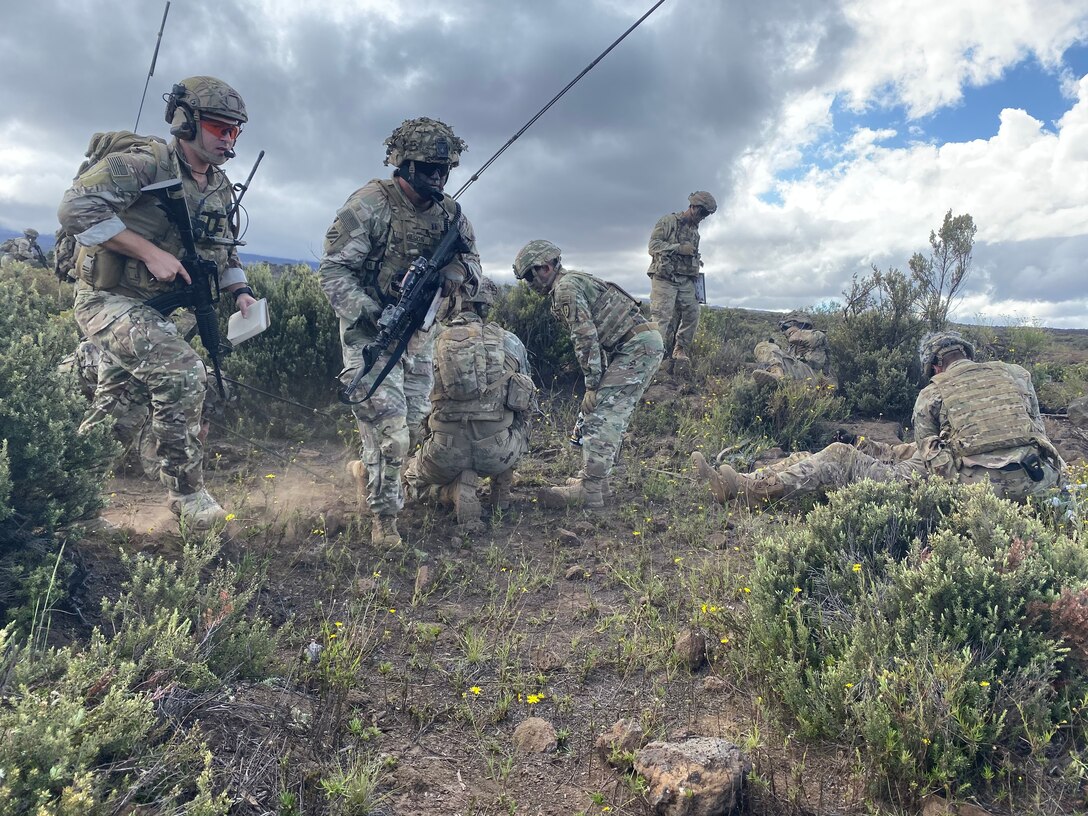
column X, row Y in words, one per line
column 202, row 293
column 419, row 289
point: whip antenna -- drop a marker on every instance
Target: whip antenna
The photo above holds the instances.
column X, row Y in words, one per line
column 151, row 70
column 556, row 98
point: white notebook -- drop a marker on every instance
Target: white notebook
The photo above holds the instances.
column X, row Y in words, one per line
column 242, row 328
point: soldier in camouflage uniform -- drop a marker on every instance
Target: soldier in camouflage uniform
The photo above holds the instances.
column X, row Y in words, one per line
column 24, row 249
column 618, row 350
column 378, row 232
column 482, row 399
column 674, row 248
column 129, row 252
column 807, row 358
column 974, row 422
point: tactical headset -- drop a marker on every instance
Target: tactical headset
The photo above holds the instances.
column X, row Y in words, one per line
column 187, row 129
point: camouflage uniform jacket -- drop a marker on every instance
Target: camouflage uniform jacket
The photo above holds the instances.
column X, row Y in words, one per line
column 670, row 231
column 600, row 316
column 375, row 237
column 998, row 426
column 481, row 373
column 810, row 346
column 106, row 199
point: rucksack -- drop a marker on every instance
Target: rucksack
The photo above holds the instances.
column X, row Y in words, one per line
column 101, row 145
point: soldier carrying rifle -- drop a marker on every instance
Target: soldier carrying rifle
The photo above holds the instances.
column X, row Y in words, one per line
column 131, row 251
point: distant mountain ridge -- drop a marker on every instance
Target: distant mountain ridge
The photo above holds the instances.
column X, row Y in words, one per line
column 46, row 242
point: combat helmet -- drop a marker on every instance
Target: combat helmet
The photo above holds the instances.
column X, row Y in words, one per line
column 701, row 198
column 202, row 95
column 485, row 293
column 935, row 345
column 30, row 233
column 424, row 140
column 796, row 318
column 533, row 254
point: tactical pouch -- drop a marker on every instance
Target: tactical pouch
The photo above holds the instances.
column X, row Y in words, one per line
column 99, row 267
column 519, row 393
column 1034, row 467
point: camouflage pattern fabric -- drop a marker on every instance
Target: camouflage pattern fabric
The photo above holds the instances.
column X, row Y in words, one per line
column 82, row 364
column 146, row 360
column 18, row 249
column 378, row 229
column 143, row 352
column 675, row 308
column 935, row 432
column 839, row 464
column 881, row 451
column 484, row 444
column 780, row 363
column 605, row 324
column 810, row 347
column 673, row 304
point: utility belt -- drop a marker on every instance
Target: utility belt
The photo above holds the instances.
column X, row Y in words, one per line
column 637, row 330
column 482, row 428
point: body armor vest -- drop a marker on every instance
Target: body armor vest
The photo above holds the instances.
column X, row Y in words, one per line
column 111, row 271
column 673, row 263
column 984, row 408
column 615, row 313
column 411, row 234
column 471, row 372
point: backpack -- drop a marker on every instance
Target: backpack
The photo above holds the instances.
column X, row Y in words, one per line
column 101, row 145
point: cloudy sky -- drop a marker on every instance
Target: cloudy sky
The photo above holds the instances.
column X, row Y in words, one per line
column 835, row 135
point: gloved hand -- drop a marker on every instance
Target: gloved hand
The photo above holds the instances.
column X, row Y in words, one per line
column 686, row 249
column 589, row 401
column 453, row 275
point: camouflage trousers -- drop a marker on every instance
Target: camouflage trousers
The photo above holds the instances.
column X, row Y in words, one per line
column 675, row 309
column 488, row 448
column 145, row 361
column 622, row 385
column 781, row 363
column 389, row 420
column 838, row 465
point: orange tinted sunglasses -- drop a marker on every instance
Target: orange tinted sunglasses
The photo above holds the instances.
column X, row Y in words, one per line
column 221, row 130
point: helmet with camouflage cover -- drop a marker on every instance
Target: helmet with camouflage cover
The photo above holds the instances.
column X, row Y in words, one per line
column 424, row 140
column 30, row 233
column 485, row 293
column 533, row 254
column 204, row 95
column 701, row 198
column 935, row 345
column 796, row 318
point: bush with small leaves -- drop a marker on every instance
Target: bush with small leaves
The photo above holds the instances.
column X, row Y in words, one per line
column 933, row 623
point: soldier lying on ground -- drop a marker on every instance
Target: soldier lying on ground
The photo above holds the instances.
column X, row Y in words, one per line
column 974, row 422
column 806, row 359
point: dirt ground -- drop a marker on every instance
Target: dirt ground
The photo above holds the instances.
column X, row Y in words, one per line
column 570, row 616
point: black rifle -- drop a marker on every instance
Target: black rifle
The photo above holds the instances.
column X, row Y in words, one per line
column 420, row 289
column 41, row 255
column 201, row 295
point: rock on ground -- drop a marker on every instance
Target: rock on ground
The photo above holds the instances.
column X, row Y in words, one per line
column 535, row 735
column 703, row 776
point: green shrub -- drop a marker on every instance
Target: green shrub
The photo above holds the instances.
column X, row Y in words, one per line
column 54, row 473
column 298, row 357
column 923, row 626
column 874, row 348
column 529, row 316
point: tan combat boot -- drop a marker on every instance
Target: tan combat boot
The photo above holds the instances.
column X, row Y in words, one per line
column 383, row 533
column 461, row 494
column 500, row 489
column 577, row 492
column 722, row 483
column 765, row 377
column 197, row 510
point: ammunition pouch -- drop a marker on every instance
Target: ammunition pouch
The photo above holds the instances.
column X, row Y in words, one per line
column 520, row 392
